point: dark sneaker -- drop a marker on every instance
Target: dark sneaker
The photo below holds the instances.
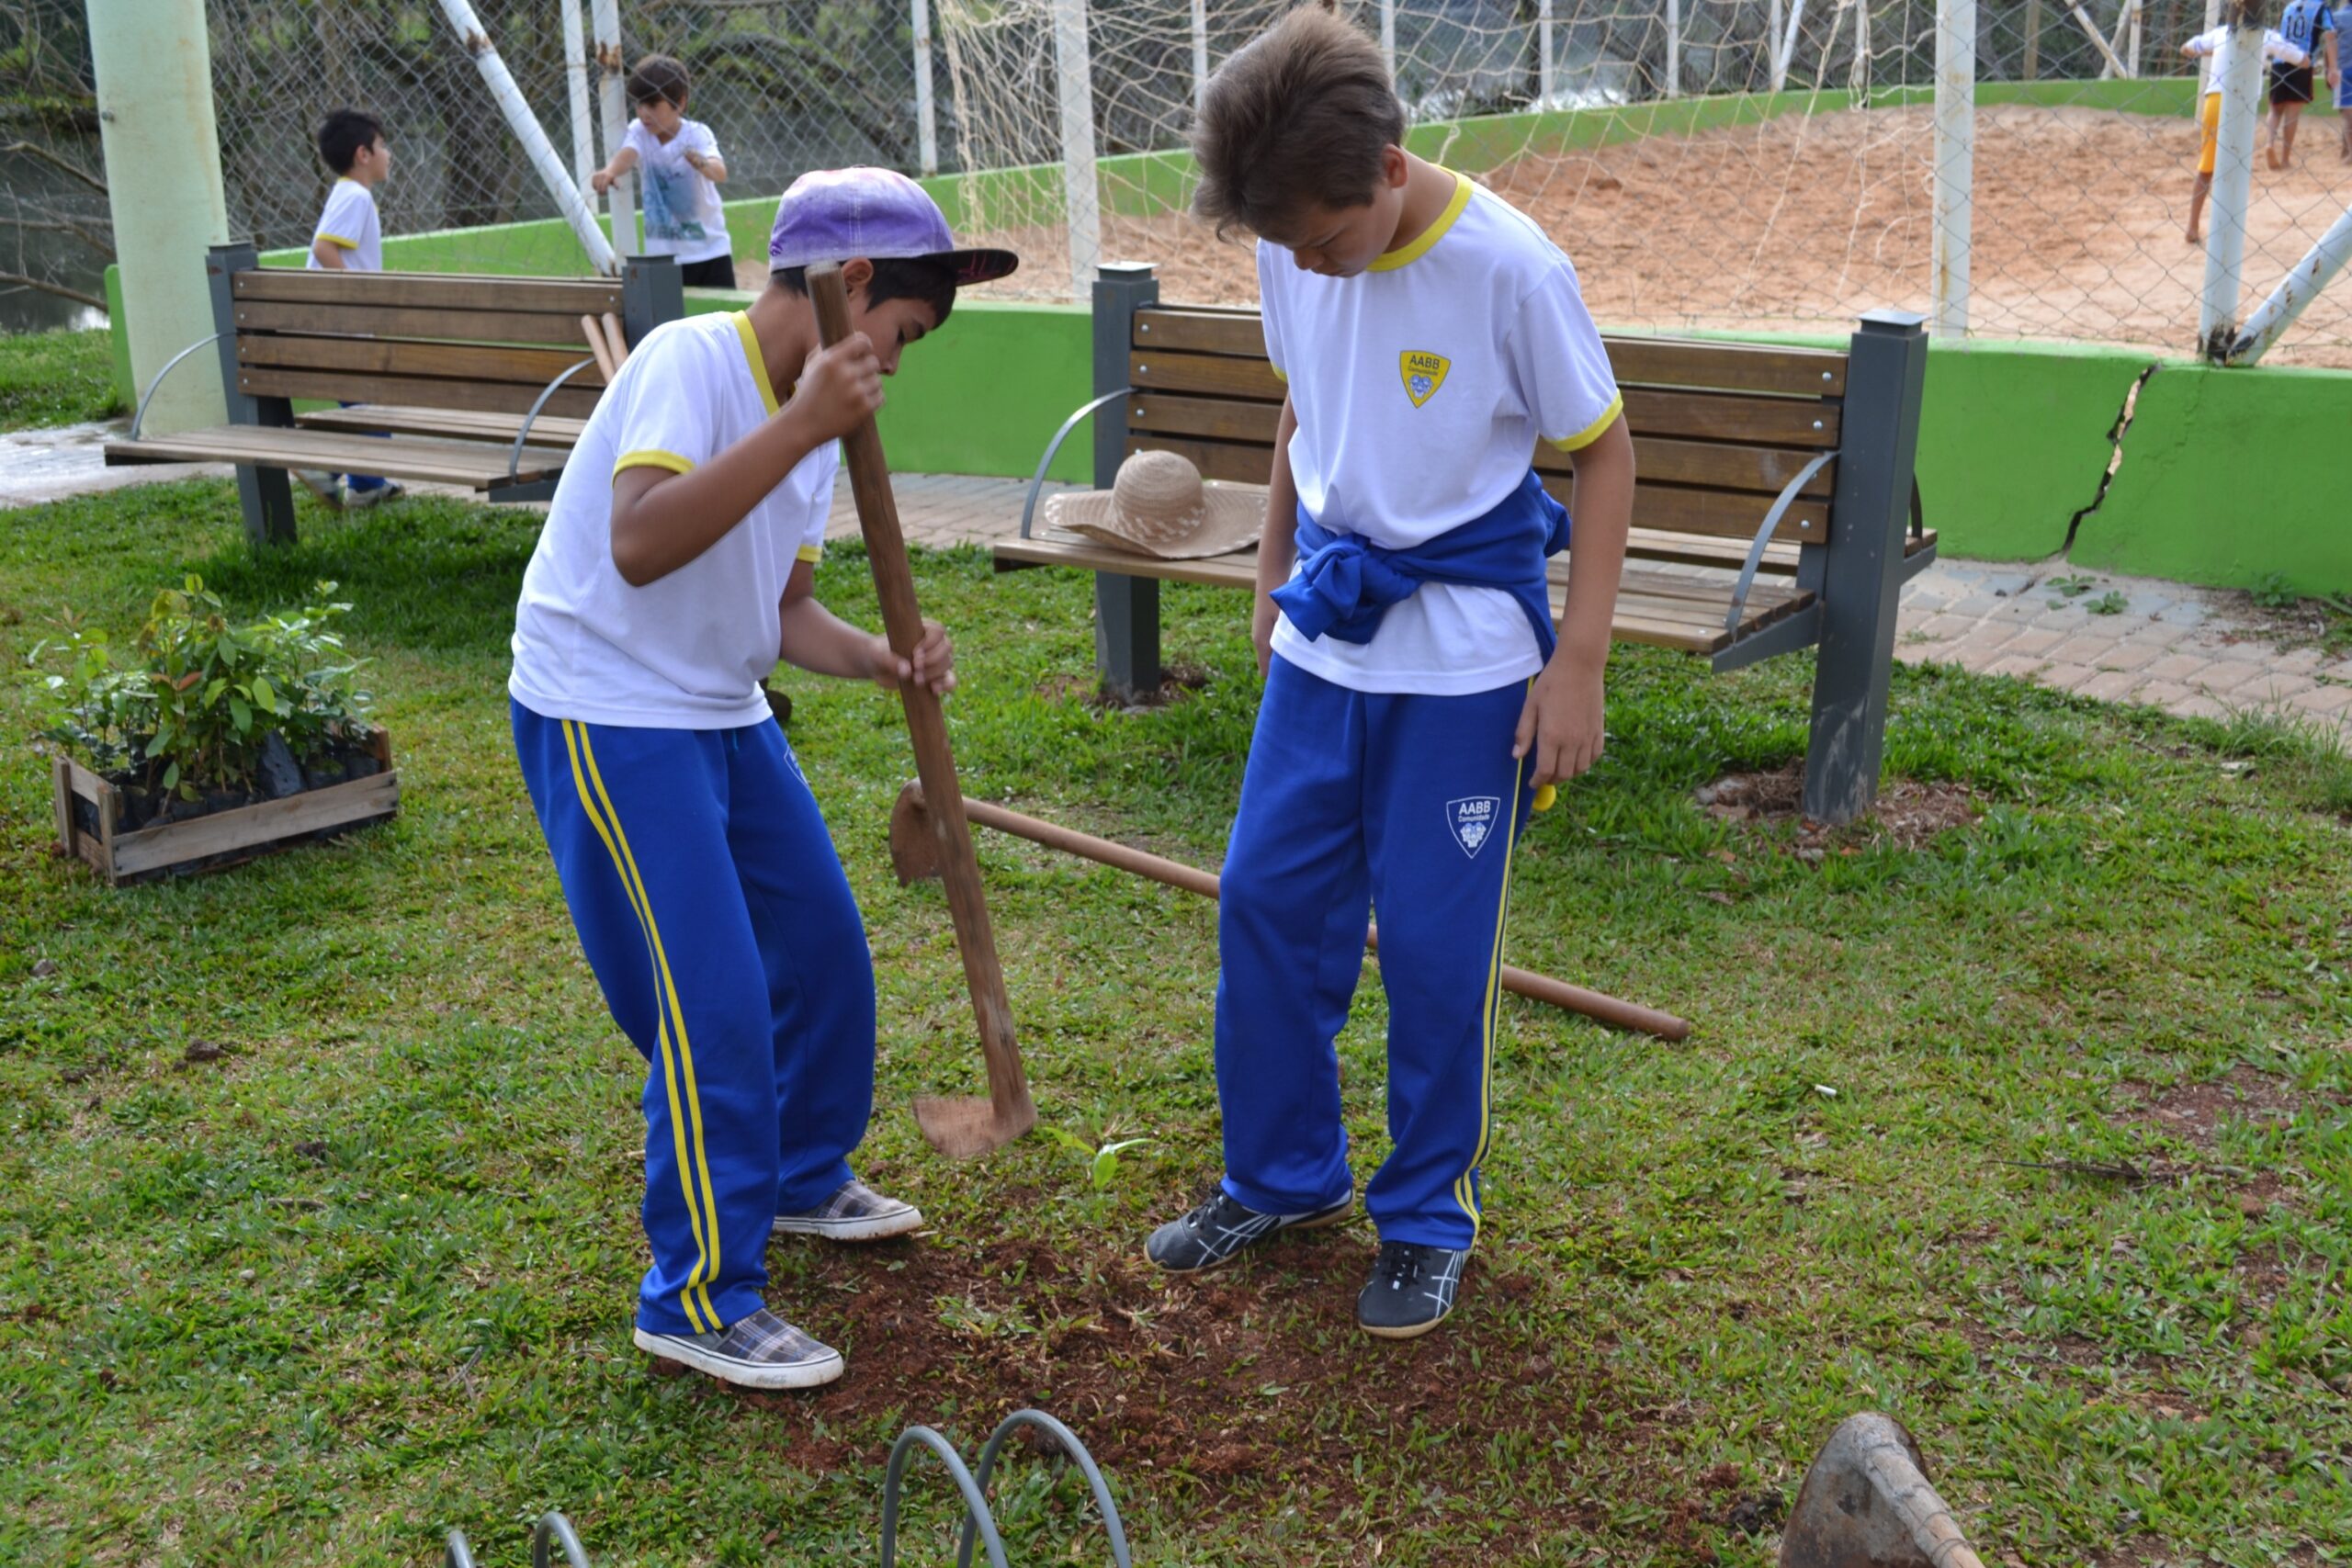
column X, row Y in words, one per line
column 759, row 1351
column 1221, row 1230
column 854, row 1212
column 1412, row 1291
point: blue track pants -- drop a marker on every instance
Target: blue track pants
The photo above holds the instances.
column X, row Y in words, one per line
column 1410, row 807
column 713, row 909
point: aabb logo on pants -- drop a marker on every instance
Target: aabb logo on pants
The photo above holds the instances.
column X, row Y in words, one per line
column 1473, row 821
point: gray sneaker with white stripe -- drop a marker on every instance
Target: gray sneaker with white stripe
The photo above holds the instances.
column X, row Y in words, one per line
column 1220, row 1230
column 1412, row 1290
column 854, row 1212
column 758, row 1351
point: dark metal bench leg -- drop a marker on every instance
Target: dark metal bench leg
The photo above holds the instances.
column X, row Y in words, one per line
column 1885, row 377
column 265, row 494
column 1126, row 609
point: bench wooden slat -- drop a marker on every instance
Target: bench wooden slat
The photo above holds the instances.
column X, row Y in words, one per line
column 571, row 401
column 533, row 368
column 1731, row 416
column 388, row 321
column 1808, row 373
column 431, row 292
column 1201, row 332
column 1218, row 375
column 446, row 462
column 549, row 430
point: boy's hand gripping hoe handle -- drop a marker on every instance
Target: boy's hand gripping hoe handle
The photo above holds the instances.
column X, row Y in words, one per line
column 959, row 1128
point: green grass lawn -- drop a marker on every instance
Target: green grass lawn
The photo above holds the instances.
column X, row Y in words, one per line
column 59, row 377
column 2033, row 1135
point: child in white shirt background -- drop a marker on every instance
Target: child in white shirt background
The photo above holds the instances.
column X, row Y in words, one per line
column 683, row 174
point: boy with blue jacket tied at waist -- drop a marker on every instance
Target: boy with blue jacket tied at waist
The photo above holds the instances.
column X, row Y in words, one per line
column 1418, row 696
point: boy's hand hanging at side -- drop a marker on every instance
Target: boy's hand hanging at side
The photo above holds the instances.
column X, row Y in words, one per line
column 1560, row 726
column 838, row 386
column 934, row 664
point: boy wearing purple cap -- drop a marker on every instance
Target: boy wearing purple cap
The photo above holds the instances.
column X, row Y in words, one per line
column 673, row 572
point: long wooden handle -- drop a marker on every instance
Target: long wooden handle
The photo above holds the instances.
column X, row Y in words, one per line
column 1526, row 983
column 885, row 550
column 615, row 340
column 598, row 348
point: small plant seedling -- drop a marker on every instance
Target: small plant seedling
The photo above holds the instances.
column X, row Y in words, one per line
column 2111, row 603
column 1102, row 1159
column 2073, row 586
column 2272, row 592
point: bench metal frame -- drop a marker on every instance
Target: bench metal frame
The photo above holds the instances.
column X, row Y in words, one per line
column 1855, row 574
column 651, row 294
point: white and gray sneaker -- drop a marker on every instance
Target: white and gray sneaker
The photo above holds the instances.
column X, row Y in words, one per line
column 854, row 1212
column 758, row 1351
column 1412, row 1290
column 1220, row 1230
column 327, row 487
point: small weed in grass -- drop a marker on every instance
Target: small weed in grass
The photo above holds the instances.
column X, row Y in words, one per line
column 50, row 379
column 2111, row 603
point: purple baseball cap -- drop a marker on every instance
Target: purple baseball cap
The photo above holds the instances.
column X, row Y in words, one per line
column 837, row 214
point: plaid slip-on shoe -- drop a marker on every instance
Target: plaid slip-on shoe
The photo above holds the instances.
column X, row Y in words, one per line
column 1412, row 1290
column 758, row 1351
column 1220, row 1230
column 854, row 1212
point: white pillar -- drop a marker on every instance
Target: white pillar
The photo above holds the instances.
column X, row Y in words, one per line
column 2131, row 36
column 1771, row 36
column 926, row 116
column 162, row 153
column 1955, row 162
column 1201, row 54
column 2205, row 64
column 1673, row 83
column 537, row 148
column 1081, row 201
column 2299, row 288
column 1544, row 79
column 1388, row 36
column 2217, row 310
column 575, row 78
column 613, row 100
column 1788, row 49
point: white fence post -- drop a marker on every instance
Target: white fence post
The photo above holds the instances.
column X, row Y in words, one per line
column 1860, row 80
column 926, row 116
column 1771, row 36
column 1788, row 49
column 2233, row 183
column 525, row 127
column 1544, row 79
column 2299, row 288
column 613, row 98
column 2205, row 64
column 575, row 78
column 1955, row 162
column 1673, row 83
column 1081, row 200
column 1200, row 54
column 1388, row 36
column 2131, row 36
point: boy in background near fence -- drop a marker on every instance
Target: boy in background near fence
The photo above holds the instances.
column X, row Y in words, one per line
column 350, row 238
column 2216, row 45
column 683, row 174
column 675, row 570
column 1419, row 698
column 2310, row 26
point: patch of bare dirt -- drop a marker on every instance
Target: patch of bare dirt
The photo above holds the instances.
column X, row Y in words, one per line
column 2193, row 1113
column 1908, row 816
column 1176, row 682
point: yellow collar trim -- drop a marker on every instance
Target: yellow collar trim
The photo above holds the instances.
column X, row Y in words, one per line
column 1389, row 261
column 752, row 356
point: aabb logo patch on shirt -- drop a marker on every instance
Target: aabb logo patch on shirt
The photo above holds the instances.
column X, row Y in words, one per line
column 1424, row 374
column 1473, row 821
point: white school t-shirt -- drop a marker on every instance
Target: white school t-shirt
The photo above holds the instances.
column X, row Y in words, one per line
column 1420, row 387
column 688, row 650
column 2217, row 43
column 682, row 217
column 350, row 220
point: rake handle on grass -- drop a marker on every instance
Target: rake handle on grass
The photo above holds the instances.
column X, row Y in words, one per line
column 894, row 583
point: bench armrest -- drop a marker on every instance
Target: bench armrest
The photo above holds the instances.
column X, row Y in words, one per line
column 515, row 455
column 1764, row 536
column 138, row 415
column 1037, row 481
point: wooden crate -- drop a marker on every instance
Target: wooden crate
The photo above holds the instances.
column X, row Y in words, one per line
column 222, row 838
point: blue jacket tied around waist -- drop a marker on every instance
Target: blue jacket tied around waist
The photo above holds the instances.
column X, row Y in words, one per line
column 1345, row 583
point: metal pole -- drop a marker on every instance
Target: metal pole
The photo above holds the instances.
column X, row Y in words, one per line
column 2298, row 289
column 2132, row 50
column 613, row 101
column 1861, row 73
column 1200, row 54
column 1955, row 162
column 2233, row 183
column 1388, row 36
column 2205, row 64
column 1788, row 47
column 1673, row 83
column 1771, row 37
column 162, row 159
column 2113, row 65
column 1081, row 201
column 575, row 78
column 525, row 127
column 926, row 116
column 1543, row 82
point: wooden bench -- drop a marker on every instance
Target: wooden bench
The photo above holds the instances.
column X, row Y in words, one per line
column 483, row 382
column 1770, row 511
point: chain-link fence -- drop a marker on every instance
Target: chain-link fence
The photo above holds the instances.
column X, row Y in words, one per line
column 1730, row 164
column 55, row 237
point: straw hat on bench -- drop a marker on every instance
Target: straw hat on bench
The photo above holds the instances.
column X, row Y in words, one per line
column 1160, row 506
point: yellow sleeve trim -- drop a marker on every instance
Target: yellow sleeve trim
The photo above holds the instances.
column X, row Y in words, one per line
column 1593, row 431
column 652, row 457
column 346, row 244
column 1389, row 261
column 812, row 553
column 1278, row 372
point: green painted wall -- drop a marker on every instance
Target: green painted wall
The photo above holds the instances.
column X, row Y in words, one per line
column 2228, row 477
